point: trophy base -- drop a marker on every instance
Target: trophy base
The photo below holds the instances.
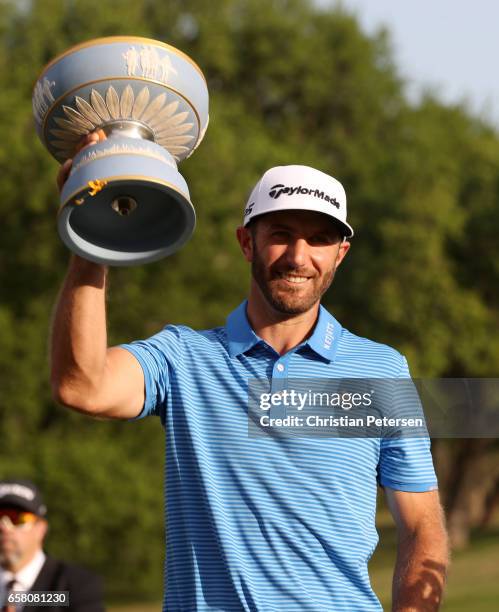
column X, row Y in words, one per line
column 130, row 222
column 125, row 203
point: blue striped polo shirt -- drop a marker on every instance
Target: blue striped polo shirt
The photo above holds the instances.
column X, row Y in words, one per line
column 268, row 524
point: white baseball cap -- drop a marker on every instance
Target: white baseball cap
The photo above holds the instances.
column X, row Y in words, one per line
column 298, row 188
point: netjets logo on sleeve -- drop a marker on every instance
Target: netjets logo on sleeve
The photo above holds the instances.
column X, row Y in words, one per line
column 277, row 190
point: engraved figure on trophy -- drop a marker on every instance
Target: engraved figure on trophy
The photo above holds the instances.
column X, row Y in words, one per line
column 131, row 58
column 42, row 98
column 124, row 202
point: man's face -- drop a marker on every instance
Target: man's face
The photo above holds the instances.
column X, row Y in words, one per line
column 19, row 543
column 294, row 256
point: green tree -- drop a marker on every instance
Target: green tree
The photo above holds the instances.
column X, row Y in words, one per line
column 293, row 83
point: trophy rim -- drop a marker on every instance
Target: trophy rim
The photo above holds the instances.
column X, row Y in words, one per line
column 103, row 39
column 126, row 177
column 44, row 125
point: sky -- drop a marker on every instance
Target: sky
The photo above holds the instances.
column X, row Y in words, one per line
column 450, row 45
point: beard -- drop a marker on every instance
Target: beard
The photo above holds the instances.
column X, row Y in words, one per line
column 283, row 296
column 10, row 555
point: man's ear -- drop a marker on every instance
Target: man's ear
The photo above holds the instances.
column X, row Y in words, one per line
column 43, row 527
column 245, row 239
column 342, row 251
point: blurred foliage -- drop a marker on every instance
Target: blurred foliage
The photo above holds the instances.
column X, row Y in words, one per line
column 292, row 83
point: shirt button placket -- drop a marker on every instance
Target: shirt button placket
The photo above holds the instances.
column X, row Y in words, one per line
column 278, row 384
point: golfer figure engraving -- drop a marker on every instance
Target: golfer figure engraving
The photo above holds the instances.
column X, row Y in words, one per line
column 124, row 202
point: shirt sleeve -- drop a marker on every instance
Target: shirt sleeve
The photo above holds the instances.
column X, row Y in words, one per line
column 405, row 462
column 158, row 357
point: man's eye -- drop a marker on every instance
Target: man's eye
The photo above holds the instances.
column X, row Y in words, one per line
column 320, row 239
column 280, row 235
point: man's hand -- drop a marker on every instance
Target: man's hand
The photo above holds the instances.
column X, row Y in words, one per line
column 423, row 553
column 87, row 141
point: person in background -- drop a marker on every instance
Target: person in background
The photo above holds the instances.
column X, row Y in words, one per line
column 24, row 567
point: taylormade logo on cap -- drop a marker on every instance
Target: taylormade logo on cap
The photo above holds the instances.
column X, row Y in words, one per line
column 298, row 188
column 278, row 190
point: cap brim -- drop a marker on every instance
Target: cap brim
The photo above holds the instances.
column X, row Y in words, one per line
column 22, row 504
column 346, row 229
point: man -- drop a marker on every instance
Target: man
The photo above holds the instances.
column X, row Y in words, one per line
column 262, row 523
column 24, row 567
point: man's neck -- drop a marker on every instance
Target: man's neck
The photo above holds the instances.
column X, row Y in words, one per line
column 281, row 331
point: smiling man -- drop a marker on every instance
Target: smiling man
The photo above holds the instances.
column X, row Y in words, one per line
column 262, row 523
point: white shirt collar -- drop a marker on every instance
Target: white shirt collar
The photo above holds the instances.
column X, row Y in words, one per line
column 25, row 577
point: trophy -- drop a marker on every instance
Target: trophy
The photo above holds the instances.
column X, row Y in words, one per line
column 124, row 202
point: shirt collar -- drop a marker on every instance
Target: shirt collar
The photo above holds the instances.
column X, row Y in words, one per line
column 324, row 339
column 326, row 335
column 240, row 334
column 25, row 577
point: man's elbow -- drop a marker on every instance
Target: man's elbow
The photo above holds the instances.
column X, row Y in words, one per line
column 77, row 399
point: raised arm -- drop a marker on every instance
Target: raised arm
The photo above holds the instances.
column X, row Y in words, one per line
column 422, row 555
column 86, row 375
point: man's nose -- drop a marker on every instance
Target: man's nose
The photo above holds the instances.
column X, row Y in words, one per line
column 5, row 525
column 296, row 252
column 4, row 530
